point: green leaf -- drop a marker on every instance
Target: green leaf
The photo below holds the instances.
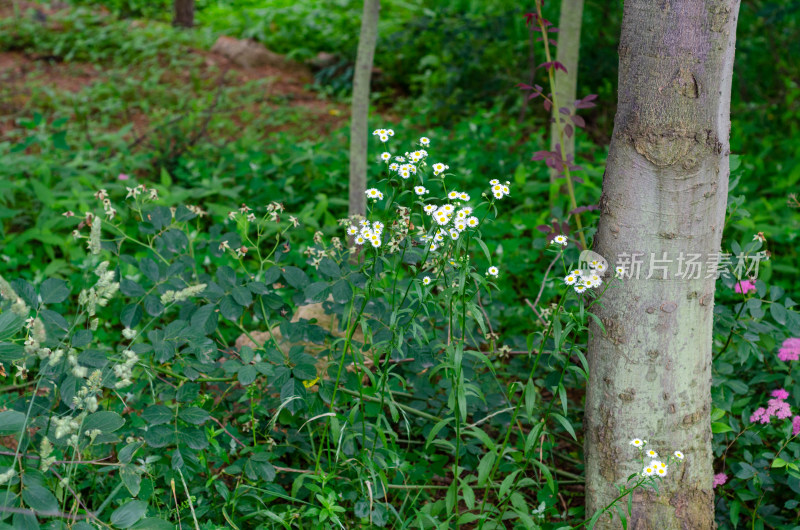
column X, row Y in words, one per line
column 247, row 374
column 10, row 324
column 779, row 462
column 39, row 498
column 128, row 514
column 295, row 277
column 229, row 308
column 242, row 295
column 342, row 292
column 157, row 414
column 131, row 288
column 105, row 420
column 566, row 424
column 718, row 427
column 778, row 312
column 194, row 415
column 159, row 436
column 316, row 292
column 53, row 291
column 305, row 372
column 126, row 454
column 272, row 274
column 194, row 438
column 329, row 268
column 205, row 319
column 11, row 422
column 485, row 467
column 131, row 315
column 505, row 486
column 131, row 479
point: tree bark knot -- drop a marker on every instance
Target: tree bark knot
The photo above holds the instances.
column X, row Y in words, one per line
column 664, row 147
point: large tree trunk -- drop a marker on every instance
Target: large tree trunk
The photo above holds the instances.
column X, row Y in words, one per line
column 664, row 191
column 184, row 13
column 569, row 44
column 360, row 107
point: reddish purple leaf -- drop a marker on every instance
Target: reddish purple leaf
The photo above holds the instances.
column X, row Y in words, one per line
column 552, row 42
column 557, row 65
column 547, row 105
column 578, row 120
column 581, row 209
column 564, row 110
column 568, row 131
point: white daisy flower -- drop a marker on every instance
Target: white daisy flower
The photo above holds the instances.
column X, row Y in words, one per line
column 376, row 242
column 493, row 271
column 379, row 132
column 636, row 442
column 359, row 240
column 560, row 240
column 461, row 225
column 394, row 166
column 433, row 247
column 448, row 209
column 390, row 132
column 424, row 141
column 386, row 156
column 648, row 471
column 661, row 471
column 619, row 272
column 467, row 211
column 570, row 279
column 472, row 222
column 678, row 455
column 429, row 208
column 439, row 236
column 439, row 168
column 420, row 190
column 377, row 226
column 383, row 138
column 463, row 196
column 580, row 288
column 494, row 182
column 352, row 230
column 651, row 453
column 426, row 280
column 452, row 195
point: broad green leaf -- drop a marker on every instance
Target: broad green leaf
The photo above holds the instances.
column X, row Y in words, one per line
column 53, row 291
column 128, row 514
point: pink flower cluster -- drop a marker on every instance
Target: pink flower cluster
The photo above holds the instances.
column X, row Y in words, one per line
column 790, row 351
column 775, row 407
column 720, row 479
column 795, row 425
column 745, row 286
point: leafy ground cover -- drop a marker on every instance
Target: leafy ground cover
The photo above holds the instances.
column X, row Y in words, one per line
column 109, row 99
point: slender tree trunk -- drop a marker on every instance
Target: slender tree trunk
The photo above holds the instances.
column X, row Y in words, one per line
column 664, row 192
column 360, row 107
column 567, row 52
column 184, row 13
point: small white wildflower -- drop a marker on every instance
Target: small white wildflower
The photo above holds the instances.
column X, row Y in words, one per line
column 651, row 453
column 678, row 455
column 420, row 190
column 426, row 280
column 636, row 442
column 493, row 271
column 386, row 156
column 560, row 240
column 439, row 168
column 425, row 142
column 429, row 208
column 570, row 279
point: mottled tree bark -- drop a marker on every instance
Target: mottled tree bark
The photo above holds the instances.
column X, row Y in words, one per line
column 664, row 191
column 360, row 107
column 567, row 52
column 184, row 13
